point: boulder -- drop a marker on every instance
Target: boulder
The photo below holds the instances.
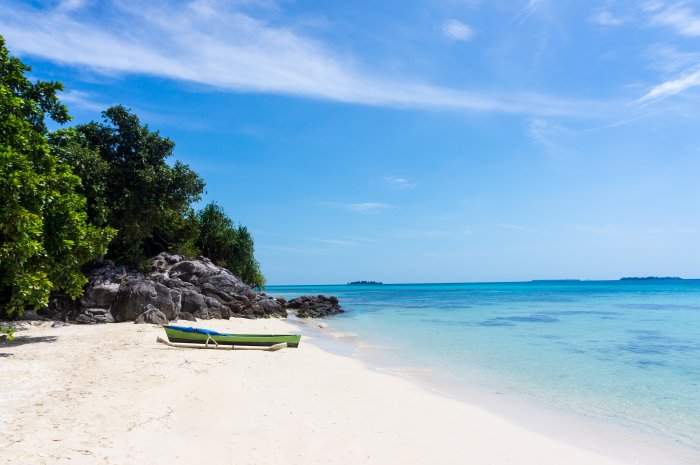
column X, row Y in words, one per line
column 319, row 306
column 135, row 294
column 186, row 316
column 177, row 288
column 100, row 294
column 266, row 306
column 153, row 316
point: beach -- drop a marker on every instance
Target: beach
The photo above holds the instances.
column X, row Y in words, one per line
column 110, row 394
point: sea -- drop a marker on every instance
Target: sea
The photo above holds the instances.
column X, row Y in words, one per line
column 623, row 353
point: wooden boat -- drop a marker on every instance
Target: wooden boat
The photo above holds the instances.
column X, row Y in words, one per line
column 188, row 335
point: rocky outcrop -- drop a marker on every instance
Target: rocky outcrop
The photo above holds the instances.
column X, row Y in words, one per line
column 153, row 316
column 319, row 306
column 177, row 288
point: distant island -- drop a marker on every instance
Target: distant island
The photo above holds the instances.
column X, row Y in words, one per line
column 359, row 283
column 652, row 278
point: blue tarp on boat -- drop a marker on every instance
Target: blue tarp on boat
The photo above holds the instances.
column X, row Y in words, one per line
column 189, row 329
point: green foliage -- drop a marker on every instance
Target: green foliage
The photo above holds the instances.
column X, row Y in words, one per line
column 44, row 233
column 9, row 330
column 177, row 234
column 145, row 194
column 71, row 147
column 228, row 246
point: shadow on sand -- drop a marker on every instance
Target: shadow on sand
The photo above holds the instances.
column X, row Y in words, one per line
column 22, row 340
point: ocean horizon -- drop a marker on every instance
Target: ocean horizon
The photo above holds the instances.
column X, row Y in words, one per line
column 624, row 352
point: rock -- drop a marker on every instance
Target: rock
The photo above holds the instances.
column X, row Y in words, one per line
column 178, row 288
column 186, row 316
column 264, row 305
column 31, row 315
column 85, row 319
column 318, row 306
column 59, row 324
column 153, row 316
column 100, row 294
column 136, row 294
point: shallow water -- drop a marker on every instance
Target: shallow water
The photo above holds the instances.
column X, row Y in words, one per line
column 627, row 352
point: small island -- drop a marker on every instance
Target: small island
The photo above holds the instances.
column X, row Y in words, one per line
column 364, row 283
column 652, row 278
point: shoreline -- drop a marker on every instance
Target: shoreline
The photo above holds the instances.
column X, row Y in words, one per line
column 587, row 431
column 110, row 392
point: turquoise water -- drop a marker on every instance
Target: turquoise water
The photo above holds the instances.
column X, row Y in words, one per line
column 624, row 351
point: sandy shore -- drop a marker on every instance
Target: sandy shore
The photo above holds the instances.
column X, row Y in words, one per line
column 110, row 394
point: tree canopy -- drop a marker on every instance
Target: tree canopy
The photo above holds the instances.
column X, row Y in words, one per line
column 228, row 246
column 145, row 193
column 73, row 195
column 45, row 236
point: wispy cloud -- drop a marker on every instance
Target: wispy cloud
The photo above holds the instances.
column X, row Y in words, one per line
column 70, row 5
column 606, row 18
column 546, row 133
column 517, row 227
column 337, row 242
column 399, row 182
column 84, row 100
column 687, row 80
column 362, row 207
column 368, row 207
column 457, row 30
column 221, row 45
column 530, row 9
column 679, row 17
column 668, row 59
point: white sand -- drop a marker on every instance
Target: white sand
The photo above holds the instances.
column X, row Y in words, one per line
column 110, row 394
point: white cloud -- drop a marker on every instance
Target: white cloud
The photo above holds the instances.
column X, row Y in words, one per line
column 546, row 133
column 530, row 9
column 368, row 207
column 83, row 100
column 679, row 17
column 517, row 227
column 398, row 182
column 605, row 18
column 668, row 59
column 70, row 5
column 457, row 30
column 672, row 87
column 217, row 44
column 362, row 207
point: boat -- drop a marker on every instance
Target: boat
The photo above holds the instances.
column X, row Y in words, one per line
column 188, row 335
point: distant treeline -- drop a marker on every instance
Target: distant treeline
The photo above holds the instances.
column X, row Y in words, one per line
column 652, row 278
column 355, row 283
column 97, row 190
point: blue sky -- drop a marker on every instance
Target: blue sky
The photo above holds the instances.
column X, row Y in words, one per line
column 409, row 141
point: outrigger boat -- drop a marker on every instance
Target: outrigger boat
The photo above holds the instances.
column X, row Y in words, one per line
column 180, row 335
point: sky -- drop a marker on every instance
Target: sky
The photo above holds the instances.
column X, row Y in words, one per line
column 412, row 140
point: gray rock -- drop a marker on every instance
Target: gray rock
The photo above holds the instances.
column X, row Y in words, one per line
column 153, row 316
column 319, row 306
column 100, row 294
column 264, row 305
column 177, row 288
column 135, row 295
column 186, row 316
column 31, row 315
column 85, row 319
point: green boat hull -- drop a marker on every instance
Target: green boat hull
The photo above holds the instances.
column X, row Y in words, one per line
column 186, row 337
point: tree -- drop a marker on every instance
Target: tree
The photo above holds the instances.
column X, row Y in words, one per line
column 145, row 193
column 228, row 246
column 44, row 233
